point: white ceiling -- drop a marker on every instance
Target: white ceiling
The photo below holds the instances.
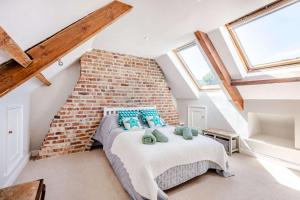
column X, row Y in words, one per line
column 30, row 22
column 167, row 23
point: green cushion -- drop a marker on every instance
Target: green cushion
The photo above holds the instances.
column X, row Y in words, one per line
column 187, row 133
column 148, row 137
column 195, row 131
column 160, row 137
column 178, row 130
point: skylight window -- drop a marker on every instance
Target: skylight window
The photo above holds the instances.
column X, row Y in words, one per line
column 269, row 39
column 197, row 66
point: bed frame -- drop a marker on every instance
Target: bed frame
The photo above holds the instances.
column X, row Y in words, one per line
column 115, row 110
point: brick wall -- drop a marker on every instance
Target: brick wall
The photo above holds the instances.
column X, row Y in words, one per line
column 107, row 79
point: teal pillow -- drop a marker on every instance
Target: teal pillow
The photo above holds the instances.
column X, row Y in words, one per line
column 163, row 123
column 126, row 113
column 131, row 123
column 146, row 113
column 154, row 121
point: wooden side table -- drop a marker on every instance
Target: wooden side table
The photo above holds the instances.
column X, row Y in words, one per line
column 34, row 190
column 228, row 136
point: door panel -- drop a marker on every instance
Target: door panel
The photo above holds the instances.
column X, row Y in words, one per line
column 197, row 117
column 14, row 137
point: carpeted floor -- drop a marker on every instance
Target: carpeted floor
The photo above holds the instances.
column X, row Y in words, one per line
column 88, row 176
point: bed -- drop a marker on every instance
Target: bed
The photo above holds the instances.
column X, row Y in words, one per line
column 146, row 171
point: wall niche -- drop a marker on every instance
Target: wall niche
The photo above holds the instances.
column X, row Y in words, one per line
column 275, row 135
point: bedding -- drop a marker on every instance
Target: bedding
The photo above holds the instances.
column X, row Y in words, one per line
column 146, row 170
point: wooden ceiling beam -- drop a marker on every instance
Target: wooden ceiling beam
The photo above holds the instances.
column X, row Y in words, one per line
column 43, row 79
column 8, row 45
column 47, row 52
column 220, row 68
column 260, row 81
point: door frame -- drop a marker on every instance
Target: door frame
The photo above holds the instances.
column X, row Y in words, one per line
column 190, row 107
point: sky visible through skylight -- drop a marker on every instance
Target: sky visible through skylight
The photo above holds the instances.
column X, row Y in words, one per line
column 271, row 38
column 198, row 66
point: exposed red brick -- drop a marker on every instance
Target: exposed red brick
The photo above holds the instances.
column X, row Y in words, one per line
column 107, row 79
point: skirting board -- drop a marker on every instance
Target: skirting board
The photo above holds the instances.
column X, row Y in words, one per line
column 270, row 158
column 14, row 175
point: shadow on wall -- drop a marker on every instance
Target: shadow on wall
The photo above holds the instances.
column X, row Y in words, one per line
column 233, row 117
column 221, row 112
column 236, row 119
column 46, row 102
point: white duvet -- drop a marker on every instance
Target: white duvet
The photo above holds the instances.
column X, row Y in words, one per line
column 145, row 162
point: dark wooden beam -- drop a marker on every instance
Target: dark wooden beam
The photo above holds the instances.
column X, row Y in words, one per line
column 260, row 81
column 220, row 68
column 8, row 45
column 47, row 52
column 43, row 79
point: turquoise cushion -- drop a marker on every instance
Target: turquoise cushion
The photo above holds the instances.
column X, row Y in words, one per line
column 162, row 121
column 154, row 121
column 146, row 113
column 131, row 123
column 126, row 113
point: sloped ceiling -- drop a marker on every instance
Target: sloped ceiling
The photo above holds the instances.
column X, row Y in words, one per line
column 169, row 24
column 166, row 23
column 30, row 22
column 151, row 29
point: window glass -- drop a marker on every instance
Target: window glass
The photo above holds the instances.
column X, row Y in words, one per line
column 197, row 65
column 271, row 38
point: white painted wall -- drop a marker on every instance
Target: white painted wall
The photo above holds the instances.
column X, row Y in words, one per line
column 297, row 131
column 275, row 125
column 39, row 103
column 222, row 42
column 46, row 102
column 18, row 98
column 214, row 116
column 222, row 114
column 280, row 91
column 179, row 80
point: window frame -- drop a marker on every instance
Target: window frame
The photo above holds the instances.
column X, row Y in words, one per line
column 266, row 10
column 187, row 69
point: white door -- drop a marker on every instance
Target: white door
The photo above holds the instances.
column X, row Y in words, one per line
column 14, row 137
column 197, row 117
